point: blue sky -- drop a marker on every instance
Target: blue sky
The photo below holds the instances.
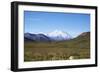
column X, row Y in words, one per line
column 72, row 23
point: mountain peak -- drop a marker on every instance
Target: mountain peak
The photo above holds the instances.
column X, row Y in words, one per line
column 56, row 32
column 59, row 35
column 56, row 35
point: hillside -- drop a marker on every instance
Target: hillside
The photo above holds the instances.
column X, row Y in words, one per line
column 81, row 41
column 78, row 47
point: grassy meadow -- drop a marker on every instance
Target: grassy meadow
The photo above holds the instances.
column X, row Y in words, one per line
column 79, row 48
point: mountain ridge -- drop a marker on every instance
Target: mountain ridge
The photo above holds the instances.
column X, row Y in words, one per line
column 53, row 36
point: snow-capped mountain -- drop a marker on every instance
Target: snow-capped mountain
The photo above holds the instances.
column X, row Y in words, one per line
column 43, row 37
column 58, row 35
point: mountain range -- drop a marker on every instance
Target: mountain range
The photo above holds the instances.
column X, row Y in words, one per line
column 52, row 36
column 36, row 37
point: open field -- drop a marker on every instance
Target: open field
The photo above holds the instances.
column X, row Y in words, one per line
column 42, row 51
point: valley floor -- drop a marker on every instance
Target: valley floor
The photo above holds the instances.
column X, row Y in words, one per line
column 37, row 51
